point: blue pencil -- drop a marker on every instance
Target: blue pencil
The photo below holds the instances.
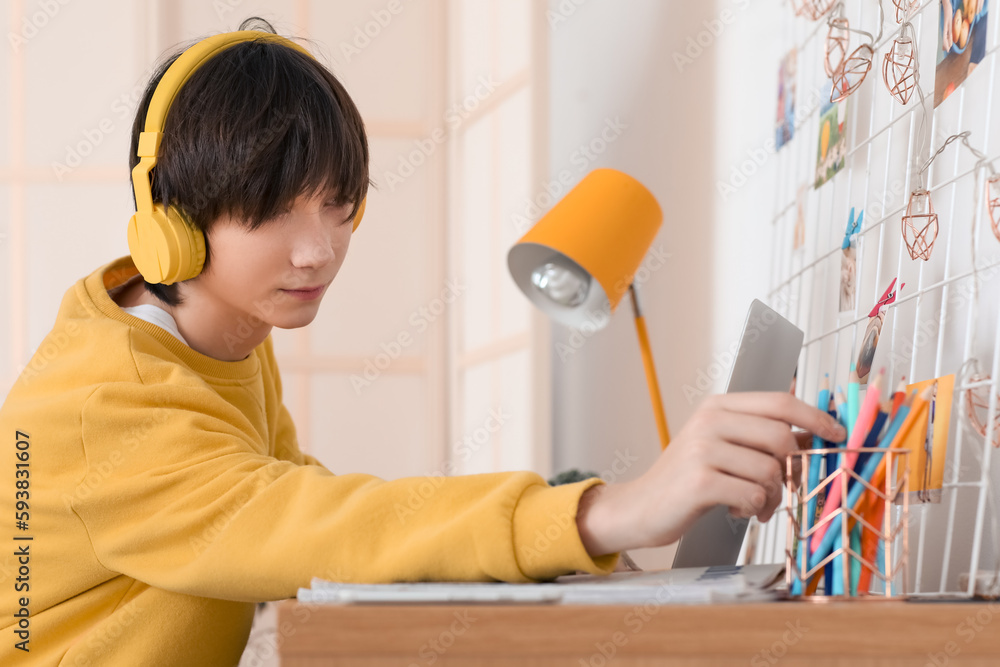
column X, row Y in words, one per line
column 814, row 466
column 833, row 573
column 871, row 440
column 881, row 419
column 833, row 460
column 830, row 465
column 853, row 400
column 880, row 558
column 838, row 568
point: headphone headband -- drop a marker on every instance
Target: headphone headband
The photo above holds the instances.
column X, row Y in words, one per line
column 181, row 70
column 166, row 90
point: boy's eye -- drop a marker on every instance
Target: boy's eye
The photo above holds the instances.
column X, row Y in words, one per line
column 336, row 204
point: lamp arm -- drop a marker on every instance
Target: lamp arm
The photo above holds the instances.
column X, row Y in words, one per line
column 647, row 361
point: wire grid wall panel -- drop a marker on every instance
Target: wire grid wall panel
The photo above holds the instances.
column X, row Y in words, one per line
column 949, row 309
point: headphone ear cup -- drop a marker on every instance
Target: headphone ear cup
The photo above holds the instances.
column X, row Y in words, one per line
column 165, row 246
column 359, row 214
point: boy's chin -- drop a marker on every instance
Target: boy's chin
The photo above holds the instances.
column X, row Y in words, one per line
column 295, row 320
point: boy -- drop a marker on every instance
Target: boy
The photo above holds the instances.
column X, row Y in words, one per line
column 159, row 490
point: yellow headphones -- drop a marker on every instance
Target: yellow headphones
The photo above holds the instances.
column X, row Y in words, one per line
column 165, row 246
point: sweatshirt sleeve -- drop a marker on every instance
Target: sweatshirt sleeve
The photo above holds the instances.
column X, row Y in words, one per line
column 189, row 501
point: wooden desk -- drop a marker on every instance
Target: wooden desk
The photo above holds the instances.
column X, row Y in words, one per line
column 790, row 634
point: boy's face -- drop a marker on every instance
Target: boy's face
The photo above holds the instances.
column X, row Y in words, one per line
column 251, row 271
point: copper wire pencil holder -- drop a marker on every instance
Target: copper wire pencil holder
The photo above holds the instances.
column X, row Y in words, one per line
column 891, row 570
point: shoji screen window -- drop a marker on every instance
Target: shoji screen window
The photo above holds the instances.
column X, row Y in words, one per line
column 500, row 369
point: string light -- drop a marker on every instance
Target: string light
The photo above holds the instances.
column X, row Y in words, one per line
column 920, row 223
column 993, row 203
column 812, row 9
column 837, row 41
column 904, row 8
column 854, row 69
column 899, row 66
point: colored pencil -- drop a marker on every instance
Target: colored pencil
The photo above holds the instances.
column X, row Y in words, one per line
column 814, row 583
column 875, row 464
column 863, row 424
column 874, row 514
column 921, row 413
column 830, row 460
column 853, row 402
column 855, row 569
column 814, row 461
column 839, row 412
column 856, row 432
column 841, row 407
column 813, row 482
column 874, row 435
column 860, row 537
column 829, row 465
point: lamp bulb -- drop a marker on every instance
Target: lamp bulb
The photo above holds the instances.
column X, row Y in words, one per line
column 565, row 285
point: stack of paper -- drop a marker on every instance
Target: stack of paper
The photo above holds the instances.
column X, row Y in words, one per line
column 684, row 586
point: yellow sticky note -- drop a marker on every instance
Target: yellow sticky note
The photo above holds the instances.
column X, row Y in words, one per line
column 925, row 484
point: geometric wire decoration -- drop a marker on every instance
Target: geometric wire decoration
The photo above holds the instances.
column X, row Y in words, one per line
column 853, row 70
column 920, row 225
column 805, row 565
column 903, row 7
column 812, row 9
column 993, row 203
column 851, row 73
column 899, row 66
column 977, row 400
column 835, row 46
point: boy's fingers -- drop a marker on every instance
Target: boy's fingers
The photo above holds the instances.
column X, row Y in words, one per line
column 747, row 463
column 770, row 436
column 773, row 501
column 804, row 439
column 784, row 407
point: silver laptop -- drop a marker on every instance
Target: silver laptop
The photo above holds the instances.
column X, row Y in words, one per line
column 766, row 361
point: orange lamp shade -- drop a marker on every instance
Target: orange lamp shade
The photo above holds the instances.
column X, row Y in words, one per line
column 587, row 248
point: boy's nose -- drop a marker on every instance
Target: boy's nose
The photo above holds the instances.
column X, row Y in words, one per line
column 316, row 251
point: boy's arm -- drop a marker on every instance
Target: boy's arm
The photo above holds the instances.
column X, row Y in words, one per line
column 191, row 502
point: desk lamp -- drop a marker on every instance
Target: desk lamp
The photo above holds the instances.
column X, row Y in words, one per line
column 577, row 262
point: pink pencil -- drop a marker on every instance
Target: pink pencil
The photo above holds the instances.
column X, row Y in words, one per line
column 866, row 418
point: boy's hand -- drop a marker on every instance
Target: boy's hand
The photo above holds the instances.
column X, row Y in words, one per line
column 731, row 452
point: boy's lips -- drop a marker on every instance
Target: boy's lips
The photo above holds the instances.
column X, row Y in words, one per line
column 305, row 295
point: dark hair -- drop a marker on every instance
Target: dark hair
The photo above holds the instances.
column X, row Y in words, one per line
column 255, row 127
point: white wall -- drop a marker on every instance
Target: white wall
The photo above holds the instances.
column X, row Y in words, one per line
column 746, row 101
column 612, row 60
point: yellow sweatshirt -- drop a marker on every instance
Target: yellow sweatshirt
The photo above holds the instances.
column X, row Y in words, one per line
column 162, row 493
